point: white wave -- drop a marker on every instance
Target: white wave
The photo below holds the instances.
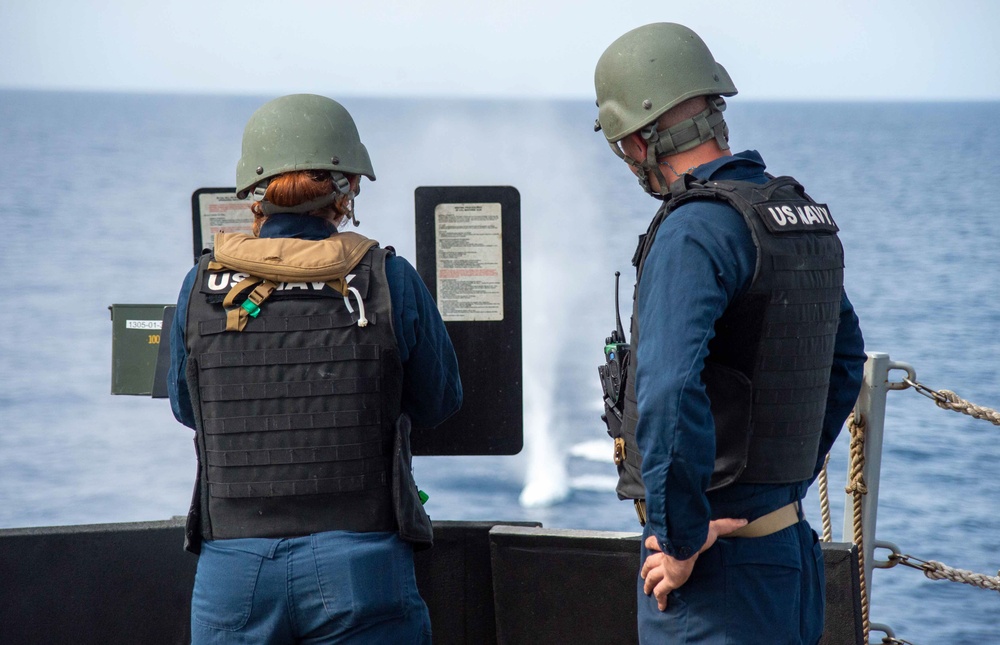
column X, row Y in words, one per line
column 596, row 483
column 594, row 450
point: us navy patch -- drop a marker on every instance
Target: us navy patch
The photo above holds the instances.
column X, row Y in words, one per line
column 220, row 282
column 797, row 217
column 216, row 284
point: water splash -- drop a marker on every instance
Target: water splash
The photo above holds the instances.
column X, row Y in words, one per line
column 546, row 481
column 562, row 240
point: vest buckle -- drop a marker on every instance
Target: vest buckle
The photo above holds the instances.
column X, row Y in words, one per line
column 251, row 308
column 619, row 451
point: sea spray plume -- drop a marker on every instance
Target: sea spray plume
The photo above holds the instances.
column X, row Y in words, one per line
column 562, row 233
column 545, row 480
column 563, row 238
column 546, row 306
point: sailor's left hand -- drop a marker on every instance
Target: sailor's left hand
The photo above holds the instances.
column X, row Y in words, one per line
column 662, row 573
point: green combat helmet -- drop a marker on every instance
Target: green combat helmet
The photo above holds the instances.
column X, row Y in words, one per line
column 645, row 73
column 301, row 132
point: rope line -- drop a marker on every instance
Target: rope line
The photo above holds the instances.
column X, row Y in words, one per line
column 939, row 571
column 824, row 500
column 857, row 489
column 948, row 400
column 954, row 402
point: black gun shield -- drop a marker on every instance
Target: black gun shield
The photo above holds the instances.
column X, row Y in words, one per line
column 489, row 351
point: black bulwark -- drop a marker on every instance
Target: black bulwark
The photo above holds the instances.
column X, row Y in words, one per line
column 489, row 352
column 484, row 583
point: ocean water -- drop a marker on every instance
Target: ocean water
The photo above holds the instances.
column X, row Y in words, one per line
column 95, row 199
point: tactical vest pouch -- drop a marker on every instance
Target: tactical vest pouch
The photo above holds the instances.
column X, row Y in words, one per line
column 613, row 418
column 630, row 485
column 732, row 421
column 414, row 524
column 192, row 527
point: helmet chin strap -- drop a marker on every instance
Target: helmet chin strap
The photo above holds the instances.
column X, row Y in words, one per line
column 341, row 186
column 645, row 167
column 270, row 208
column 681, row 137
column 350, row 211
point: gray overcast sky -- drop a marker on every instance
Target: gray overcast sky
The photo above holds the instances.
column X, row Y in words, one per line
column 782, row 49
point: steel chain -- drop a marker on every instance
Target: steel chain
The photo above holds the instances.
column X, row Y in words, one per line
column 939, row 571
column 948, row 400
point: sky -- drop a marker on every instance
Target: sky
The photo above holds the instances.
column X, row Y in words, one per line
column 773, row 49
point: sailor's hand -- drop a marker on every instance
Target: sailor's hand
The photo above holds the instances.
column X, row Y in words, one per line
column 663, row 574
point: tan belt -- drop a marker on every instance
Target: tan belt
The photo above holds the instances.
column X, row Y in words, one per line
column 770, row 523
column 764, row 525
column 640, row 510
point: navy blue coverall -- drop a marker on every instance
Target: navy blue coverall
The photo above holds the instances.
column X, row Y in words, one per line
column 742, row 590
column 336, row 586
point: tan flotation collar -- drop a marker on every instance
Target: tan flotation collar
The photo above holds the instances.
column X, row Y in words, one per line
column 289, row 259
column 270, row 260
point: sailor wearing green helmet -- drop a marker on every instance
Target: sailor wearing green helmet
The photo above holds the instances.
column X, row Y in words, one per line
column 749, row 363
column 300, row 354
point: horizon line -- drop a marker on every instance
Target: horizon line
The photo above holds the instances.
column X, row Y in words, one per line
column 520, row 97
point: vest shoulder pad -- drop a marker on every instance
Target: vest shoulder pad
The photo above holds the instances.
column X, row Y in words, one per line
column 287, row 259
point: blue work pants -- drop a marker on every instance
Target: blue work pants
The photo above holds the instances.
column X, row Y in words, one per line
column 744, row 591
column 334, row 587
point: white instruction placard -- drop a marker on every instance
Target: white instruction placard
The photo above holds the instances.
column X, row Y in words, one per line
column 223, row 212
column 469, row 245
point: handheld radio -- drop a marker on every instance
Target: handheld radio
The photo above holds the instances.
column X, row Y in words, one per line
column 616, row 349
column 612, row 374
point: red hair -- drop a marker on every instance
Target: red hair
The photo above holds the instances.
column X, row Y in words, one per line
column 294, row 188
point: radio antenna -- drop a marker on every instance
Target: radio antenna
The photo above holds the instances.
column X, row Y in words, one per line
column 618, row 316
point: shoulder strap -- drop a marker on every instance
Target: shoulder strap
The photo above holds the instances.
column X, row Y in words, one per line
column 236, row 317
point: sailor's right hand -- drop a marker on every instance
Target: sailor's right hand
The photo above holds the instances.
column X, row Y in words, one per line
column 662, row 573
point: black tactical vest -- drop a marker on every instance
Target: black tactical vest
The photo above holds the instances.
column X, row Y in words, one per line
column 768, row 368
column 295, row 413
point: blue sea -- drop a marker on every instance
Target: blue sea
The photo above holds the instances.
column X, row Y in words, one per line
column 95, row 194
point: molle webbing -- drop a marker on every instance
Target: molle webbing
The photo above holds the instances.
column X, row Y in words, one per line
column 304, row 421
column 275, row 324
column 310, row 486
column 288, row 389
column 297, row 411
column 286, row 356
column 279, row 456
column 272, row 392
